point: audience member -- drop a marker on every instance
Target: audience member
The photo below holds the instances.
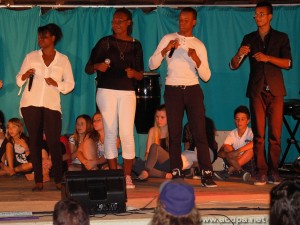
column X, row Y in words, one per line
column 157, row 151
column 82, row 127
column 157, row 156
column 285, row 203
column 91, row 150
column 190, row 152
column 16, row 150
column 237, row 149
column 176, row 205
column 2, row 137
column 70, row 212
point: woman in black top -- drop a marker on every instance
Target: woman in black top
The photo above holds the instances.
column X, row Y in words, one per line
column 118, row 61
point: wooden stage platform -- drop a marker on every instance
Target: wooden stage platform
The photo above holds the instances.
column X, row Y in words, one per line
column 232, row 202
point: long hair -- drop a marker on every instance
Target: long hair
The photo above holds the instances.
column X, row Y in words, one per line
column 285, row 203
column 161, row 217
column 93, row 134
column 17, row 122
column 89, row 127
column 157, row 129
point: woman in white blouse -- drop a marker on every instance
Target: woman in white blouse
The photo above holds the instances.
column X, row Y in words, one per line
column 46, row 73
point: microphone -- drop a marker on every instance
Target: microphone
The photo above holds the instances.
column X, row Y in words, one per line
column 172, row 49
column 107, row 61
column 242, row 56
column 30, row 82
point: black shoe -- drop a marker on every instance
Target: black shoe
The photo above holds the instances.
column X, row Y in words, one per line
column 207, row 179
column 222, row 175
column 177, row 173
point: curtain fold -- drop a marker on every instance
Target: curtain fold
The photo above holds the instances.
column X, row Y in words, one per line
column 221, row 29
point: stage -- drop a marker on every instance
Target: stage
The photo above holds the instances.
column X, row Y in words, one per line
column 232, row 202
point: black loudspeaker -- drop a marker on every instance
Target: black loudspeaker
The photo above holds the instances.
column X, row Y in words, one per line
column 99, row 191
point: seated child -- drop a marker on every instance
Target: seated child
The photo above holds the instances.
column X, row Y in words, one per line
column 16, row 150
column 238, row 146
column 189, row 155
column 157, row 156
column 91, row 150
column 83, row 126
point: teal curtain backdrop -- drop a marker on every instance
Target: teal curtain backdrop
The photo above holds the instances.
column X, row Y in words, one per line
column 220, row 28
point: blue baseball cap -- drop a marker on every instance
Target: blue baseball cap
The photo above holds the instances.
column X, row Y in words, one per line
column 177, row 197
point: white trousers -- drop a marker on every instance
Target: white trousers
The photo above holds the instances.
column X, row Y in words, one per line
column 118, row 111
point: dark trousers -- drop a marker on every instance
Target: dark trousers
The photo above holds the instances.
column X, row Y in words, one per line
column 267, row 109
column 190, row 98
column 39, row 120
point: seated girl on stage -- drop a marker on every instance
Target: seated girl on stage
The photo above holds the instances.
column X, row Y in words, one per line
column 157, row 155
column 91, row 150
column 83, row 126
column 16, row 150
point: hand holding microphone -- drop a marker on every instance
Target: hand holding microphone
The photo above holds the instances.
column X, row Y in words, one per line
column 175, row 44
column 243, row 51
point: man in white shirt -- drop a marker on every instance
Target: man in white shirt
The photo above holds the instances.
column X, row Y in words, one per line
column 186, row 58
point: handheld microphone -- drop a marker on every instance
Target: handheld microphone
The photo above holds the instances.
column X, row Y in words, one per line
column 107, row 61
column 30, row 82
column 242, row 56
column 173, row 49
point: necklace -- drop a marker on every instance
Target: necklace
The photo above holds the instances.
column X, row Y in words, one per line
column 122, row 56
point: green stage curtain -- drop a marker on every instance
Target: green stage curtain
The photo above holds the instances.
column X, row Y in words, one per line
column 221, row 29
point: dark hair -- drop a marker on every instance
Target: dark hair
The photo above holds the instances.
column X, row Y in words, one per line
column 285, row 203
column 266, row 4
column 191, row 10
column 53, row 29
column 242, row 109
column 69, row 211
column 129, row 17
column 2, row 118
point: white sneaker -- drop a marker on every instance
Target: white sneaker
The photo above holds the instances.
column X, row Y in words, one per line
column 129, row 184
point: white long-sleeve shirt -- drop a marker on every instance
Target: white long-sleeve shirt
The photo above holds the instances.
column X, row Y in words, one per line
column 42, row 94
column 182, row 69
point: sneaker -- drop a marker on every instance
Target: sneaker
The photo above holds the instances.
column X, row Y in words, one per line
column 274, row 179
column 196, row 175
column 222, row 175
column 129, row 184
column 207, row 179
column 260, row 180
column 177, row 173
column 245, row 175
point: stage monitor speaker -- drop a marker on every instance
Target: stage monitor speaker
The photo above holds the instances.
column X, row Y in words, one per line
column 99, row 191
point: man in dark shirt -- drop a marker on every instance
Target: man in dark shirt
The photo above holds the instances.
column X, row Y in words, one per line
column 269, row 51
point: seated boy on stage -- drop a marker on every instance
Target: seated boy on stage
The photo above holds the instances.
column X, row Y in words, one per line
column 238, row 146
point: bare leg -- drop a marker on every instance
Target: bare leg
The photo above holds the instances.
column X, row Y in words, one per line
column 112, row 163
column 128, row 163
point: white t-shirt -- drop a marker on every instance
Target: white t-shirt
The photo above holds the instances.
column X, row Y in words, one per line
column 235, row 141
column 182, row 69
